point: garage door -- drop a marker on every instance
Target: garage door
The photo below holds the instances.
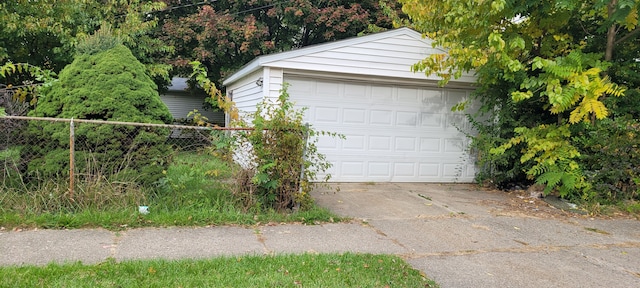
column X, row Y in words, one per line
column 393, row 133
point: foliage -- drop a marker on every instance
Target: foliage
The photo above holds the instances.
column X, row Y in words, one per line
column 45, row 33
column 568, row 80
column 41, row 33
column 554, row 157
column 17, row 97
column 223, row 35
column 307, row 270
column 216, row 99
column 16, row 100
column 101, row 40
column 611, row 158
column 496, row 169
column 540, row 66
column 278, row 143
column 283, row 155
column 109, row 85
column 50, row 197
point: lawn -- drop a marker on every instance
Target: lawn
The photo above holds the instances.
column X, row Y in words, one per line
column 306, row 270
column 194, row 192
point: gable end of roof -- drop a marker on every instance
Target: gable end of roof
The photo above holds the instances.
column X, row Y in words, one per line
column 264, row 60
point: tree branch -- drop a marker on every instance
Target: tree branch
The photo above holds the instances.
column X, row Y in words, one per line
column 629, row 35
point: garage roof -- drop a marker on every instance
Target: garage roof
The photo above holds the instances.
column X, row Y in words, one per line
column 389, row 54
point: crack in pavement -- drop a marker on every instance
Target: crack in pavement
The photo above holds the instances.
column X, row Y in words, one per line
column 262, row 240
column 115, row 242
column 393, row 240
column 609, row 265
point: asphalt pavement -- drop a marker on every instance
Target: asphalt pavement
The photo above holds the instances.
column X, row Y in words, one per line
column 456, row 234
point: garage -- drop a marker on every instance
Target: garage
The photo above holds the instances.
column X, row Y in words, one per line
column 398, row 125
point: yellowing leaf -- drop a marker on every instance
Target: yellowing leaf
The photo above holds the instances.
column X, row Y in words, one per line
column 631, row 21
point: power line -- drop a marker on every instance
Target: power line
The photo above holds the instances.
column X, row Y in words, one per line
column 185, row 5
column 258, row 8
column 213, row 1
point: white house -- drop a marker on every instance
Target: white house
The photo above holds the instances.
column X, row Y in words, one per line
column 181, row 100
column 398, row 124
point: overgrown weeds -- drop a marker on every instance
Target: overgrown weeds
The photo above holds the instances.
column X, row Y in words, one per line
column 52, row 196
column 194, row 191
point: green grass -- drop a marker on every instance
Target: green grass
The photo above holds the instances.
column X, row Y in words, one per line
column 307, row 270
column 193, row 193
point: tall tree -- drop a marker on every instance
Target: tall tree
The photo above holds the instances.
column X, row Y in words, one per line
column 224, row 35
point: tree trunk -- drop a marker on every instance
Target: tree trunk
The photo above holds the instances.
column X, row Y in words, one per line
column 611, row 32
column 611, row 40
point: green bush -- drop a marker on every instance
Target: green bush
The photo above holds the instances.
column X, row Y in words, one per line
column 107, row 85
column 502, row 170
column 611, row 158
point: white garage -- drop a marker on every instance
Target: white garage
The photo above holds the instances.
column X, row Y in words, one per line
column 399, row 126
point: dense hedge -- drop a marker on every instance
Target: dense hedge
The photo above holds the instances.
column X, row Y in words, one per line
column 109, row 85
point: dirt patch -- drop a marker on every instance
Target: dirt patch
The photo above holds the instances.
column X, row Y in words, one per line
column 519, row 203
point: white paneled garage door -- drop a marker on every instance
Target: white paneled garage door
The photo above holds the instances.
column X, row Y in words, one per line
column 393, row 133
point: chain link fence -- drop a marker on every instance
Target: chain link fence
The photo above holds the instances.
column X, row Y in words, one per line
column 33, row 149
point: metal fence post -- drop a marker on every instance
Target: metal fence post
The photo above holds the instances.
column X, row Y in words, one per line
column 304, row 159
column 72, row 159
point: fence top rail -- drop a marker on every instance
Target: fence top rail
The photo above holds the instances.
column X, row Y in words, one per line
column 125, row 123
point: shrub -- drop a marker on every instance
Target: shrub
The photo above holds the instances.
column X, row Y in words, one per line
column 503, row 170
column 553, row 156
column 282, row 149
column 611, row 158
column 103, row 85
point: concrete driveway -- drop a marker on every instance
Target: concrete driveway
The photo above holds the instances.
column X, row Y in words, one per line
column 461, row 236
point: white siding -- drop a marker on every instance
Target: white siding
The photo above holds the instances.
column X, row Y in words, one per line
column 246, row 93
column 385, row 54
column 273, row 86
column 387, row 57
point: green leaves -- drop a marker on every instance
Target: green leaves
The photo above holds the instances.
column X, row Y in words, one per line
column 517, row 42
column 28, row 90
column 571, row 83
column 537, row 62
column 46, row 33
column 216, row 98
column 553, row 155
column 497, row 6
column 496, row 42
